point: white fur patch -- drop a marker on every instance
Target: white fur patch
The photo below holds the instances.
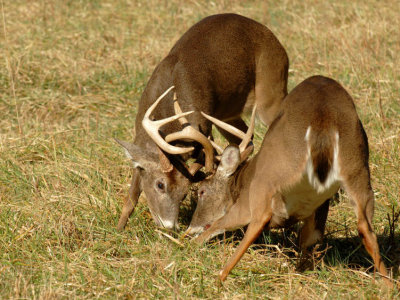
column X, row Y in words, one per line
column 195, row 231
column 333, row 175
column 135, row 163
column 128, row 155
column 167, row 223
column 307, row 136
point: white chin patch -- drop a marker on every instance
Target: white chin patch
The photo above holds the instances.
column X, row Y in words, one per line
column 194, row 231
column 127, row 154
column 167, row 224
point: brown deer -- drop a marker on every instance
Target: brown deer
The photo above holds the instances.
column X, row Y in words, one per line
column 315, row 145
column 214, row 67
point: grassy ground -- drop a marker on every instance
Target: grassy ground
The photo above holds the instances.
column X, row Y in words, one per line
column 71, row 74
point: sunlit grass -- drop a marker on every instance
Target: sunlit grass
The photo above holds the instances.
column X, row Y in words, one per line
column 71, row 75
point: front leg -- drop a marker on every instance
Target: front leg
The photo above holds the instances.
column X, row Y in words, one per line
column 256, row 212
column 130, row 200
column 254, row 229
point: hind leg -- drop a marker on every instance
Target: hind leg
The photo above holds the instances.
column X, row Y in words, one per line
column 312, row 232
column 359, row 189
column 314, row 226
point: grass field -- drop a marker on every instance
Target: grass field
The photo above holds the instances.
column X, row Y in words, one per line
column 71, row 75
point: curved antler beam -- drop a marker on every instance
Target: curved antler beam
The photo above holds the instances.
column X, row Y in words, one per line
column 152, row 127
column 190, row 133
column 245, row 148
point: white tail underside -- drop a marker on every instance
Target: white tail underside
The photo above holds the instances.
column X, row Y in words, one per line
column 334, row 172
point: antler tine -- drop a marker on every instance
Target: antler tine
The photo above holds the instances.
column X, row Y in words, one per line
column 192, row 134
column 229, row 128
column 189, row 132
column 217, row 147
column 152, row 127
column 246, row 137
column 178, row 110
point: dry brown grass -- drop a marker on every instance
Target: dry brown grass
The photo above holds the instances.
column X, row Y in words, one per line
column 71, row 73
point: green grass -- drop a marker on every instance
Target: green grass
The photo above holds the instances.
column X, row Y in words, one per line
column 71, row 75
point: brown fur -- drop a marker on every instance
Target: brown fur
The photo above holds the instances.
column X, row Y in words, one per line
column 273, row 188
column 214, row 67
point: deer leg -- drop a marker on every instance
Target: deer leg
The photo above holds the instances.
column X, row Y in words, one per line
column 360, row 191
column 370, row 242
column 130, row 200
column 253, row 231
column 270, row 88
column 312, row 232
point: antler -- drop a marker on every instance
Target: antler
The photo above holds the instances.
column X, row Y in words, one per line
column 189, row 132
column 152, row 127
column 245, row 148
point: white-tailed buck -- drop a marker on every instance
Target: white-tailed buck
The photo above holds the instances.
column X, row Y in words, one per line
column 314, row 146
column 214, row 67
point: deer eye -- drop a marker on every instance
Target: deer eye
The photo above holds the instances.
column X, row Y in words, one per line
column 202, row 192
column 160, row 185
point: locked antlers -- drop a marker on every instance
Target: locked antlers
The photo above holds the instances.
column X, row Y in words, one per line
column 187, row 133
column 152, row 127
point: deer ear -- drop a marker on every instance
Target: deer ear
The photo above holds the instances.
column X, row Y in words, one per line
column 140, row 158
column 230, row 160
column 165, row 163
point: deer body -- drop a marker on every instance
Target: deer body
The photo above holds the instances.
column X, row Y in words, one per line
column 315, row 145
column 214, row 67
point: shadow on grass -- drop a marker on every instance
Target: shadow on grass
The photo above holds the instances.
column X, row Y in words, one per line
column 187, row 208
column 349, row 252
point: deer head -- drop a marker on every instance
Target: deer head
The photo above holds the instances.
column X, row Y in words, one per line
column 163, row 176
column 158, row 181
column 216, row 194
